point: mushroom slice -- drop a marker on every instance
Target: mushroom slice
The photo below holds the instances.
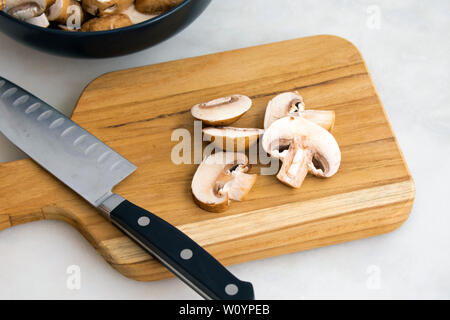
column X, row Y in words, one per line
column 156, row 6
column 67, row 13
column 101, row 8
column 233, row 139
column 323, row 118
column 281, row 106
column 106, row 23
column 26, row 9
column 303, row 147
column 221, row 178
column 222, row 111
column 40, row 21
column 291, row 104
column 136, row 16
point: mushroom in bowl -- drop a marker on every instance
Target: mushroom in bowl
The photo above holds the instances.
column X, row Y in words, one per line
column 146, row 30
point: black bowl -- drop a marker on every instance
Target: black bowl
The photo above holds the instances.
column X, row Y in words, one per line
column 104, row 44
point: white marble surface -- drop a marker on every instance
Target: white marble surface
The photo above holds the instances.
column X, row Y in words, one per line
column 406, row 46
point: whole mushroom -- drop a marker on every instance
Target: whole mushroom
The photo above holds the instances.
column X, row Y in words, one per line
column 303, row 147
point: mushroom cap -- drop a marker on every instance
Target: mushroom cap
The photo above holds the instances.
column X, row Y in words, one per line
column 231, row 138
column 326, row 155
column 222, row 111
column 101, row 8
column 156, row 6
column 136, row 16
column 281, row 106
column 220, row 178
column 106, row 23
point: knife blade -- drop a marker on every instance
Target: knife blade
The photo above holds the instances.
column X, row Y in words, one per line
column 92, row 169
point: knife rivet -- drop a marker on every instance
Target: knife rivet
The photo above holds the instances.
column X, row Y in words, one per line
column 186, row 254
column 143, row 221
column 231, row 289
column 8, row 93
column 21, row 100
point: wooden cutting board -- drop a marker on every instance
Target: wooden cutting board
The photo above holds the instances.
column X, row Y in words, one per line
column 135, row 112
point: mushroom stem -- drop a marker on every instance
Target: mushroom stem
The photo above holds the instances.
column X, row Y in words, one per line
column 295, row 164
column 66, row 12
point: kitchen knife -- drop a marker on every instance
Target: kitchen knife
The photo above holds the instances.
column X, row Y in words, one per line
column 92, row 169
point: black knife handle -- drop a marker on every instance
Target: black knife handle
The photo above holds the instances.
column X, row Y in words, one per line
column 180, row 254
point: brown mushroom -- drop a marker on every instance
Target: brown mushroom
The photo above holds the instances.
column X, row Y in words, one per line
column 136, row 16
column 221, row 178
column 222, row 111
column 101, row 8
column 107, row 23
column 156, row 6
column 303, row 147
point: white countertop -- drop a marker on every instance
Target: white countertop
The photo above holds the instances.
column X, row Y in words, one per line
column 407, row 49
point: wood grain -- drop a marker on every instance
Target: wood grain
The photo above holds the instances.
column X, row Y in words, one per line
column 135, row 111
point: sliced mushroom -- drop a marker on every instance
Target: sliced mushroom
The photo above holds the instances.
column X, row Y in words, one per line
column 40, row 21
column 303, row 147
column 281, row 106
column 323, row 118
column 67, row 13
column 26, row 9
column 221, row 178
column 222, row 111
column 233, row 139
column 107, row 23
column 136, row 16
column 291, row 104
column 101, row 8
column 156, row 6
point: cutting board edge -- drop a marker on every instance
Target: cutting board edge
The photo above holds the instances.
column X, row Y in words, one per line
column 139, row 271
